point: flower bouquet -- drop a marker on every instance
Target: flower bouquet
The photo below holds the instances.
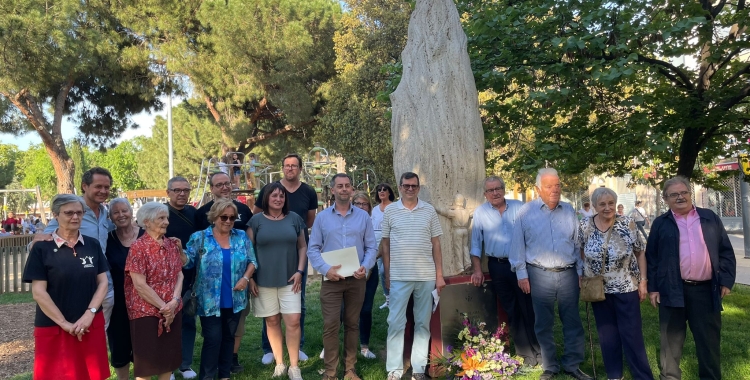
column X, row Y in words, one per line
column 480, row 356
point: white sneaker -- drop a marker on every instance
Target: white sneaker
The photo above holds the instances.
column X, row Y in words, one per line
column 279, row 370
column 367, row 353
column 267, row 358
column 302, row 356
column 387, row 302
column 322, row 354
column 394, row 375
column 188, row 373
column 171, row 377
column 294, row 373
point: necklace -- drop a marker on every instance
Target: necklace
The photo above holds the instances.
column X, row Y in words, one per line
column 275, row 216
column 128, row 239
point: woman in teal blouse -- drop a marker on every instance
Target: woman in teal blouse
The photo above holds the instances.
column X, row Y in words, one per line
column 225, row 263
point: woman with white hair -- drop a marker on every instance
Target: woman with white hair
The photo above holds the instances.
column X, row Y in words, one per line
column 611, row 247
column 153, row 284
column 118, row 248
column 68, row 282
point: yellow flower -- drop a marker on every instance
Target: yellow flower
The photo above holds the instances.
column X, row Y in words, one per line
column 471, row 365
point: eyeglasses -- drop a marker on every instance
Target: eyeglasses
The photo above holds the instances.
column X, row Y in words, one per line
column 223, row 184
column 383, row 190
column 231, row 218
column 684, row 194
column 495, row 190
column 410, row 187
column 361, row 204
column 291, row 167
column 180, row 191
column 70, row 214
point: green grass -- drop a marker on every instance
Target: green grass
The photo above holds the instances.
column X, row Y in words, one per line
column 10, row 298
column 735, row 344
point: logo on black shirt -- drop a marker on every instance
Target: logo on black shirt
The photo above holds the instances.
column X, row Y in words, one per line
column 88, row 261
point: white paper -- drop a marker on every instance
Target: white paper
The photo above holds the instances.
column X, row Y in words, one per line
column 435, row 299
column 346, row 257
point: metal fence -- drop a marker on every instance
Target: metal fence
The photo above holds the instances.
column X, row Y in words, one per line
column 725, row 203
column 13, row 255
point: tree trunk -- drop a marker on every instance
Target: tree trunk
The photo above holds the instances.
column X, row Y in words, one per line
column 64, row 168
column 689, row 148
column 436, row 127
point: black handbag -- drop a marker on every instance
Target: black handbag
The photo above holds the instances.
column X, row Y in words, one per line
column 189, row 301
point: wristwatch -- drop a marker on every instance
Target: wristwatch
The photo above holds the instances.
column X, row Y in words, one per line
column 93, row 310
column 301, row 272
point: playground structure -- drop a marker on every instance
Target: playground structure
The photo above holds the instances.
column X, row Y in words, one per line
column 36, row 194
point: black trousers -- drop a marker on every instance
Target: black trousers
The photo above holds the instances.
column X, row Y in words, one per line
column 705, row 325
column 218, row 344
column 519, row 308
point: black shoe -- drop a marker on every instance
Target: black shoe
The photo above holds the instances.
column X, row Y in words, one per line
column 547, row 375
column 236, row 367
column 578, row 374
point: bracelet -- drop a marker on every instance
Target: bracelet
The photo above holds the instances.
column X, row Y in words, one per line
column 246, row 279
column 301, row 272
column 178, row 299
column 644, row 280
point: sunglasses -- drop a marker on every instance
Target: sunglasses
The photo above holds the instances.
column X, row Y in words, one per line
column 231, row 218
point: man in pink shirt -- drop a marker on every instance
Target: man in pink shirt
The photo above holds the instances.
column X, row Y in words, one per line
column 691, row 267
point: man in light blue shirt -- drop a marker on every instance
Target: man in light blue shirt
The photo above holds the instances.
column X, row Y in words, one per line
column 547, row 261
column 342, row 226
column 95, row 183
column 493, row 230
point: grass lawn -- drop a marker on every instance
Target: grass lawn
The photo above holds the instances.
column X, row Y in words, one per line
column 735, row 342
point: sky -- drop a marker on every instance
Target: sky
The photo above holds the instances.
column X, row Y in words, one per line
column 144, row 120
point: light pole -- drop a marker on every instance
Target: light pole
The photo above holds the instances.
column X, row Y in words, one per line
column 169, row 133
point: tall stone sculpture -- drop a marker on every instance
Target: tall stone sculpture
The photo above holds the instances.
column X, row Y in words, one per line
column 436, row 127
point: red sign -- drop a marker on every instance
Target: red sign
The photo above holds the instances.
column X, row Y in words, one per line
column 727, row 166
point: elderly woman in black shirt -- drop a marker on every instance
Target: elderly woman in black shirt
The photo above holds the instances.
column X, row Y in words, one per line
column 68, row 282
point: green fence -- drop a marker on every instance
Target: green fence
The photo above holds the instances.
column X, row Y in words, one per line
column 13, row 255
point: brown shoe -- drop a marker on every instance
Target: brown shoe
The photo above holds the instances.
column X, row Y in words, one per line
column 351, row 375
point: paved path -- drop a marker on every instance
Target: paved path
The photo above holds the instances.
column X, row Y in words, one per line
column 743, row 264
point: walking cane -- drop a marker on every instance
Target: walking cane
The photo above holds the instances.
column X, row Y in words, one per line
column 591, row 340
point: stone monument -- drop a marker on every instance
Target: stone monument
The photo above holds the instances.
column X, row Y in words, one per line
column 436, row 128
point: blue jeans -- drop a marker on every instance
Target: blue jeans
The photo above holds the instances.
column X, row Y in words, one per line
column 218, row 344
column 264, row 333
column 381, row 270
column 562, row 287
column 365, row 316
column 400, row 293
column 188, row 340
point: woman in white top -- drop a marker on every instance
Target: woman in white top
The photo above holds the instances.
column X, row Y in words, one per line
column 385, row 196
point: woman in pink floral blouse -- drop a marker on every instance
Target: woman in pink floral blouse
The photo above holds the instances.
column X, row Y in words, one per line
column 153, row 284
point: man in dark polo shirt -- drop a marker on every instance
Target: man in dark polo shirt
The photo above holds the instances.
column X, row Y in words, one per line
column 181, row 226
column 304, row 201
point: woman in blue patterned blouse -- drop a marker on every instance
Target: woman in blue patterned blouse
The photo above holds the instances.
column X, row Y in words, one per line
column 225, row 263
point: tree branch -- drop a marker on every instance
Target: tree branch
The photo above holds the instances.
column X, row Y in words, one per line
column 212, row 109
column 60, row 100
column 286, row 129
column 736, row 75
column 668, row 66
column 725, row 61
column 731, row 102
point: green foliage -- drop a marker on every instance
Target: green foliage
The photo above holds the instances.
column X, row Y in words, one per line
column 8, row 156
column 122, row 163
column 195, row 138
column 35, row 168
column 596, row 84
column 356, row 124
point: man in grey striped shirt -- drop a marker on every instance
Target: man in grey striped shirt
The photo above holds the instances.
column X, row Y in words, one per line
column 413, row 266
column 547, row 261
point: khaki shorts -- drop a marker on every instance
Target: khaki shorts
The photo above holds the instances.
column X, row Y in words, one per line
column 272, row 301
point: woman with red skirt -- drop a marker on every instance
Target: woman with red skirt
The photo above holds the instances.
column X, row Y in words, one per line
column 68, row 282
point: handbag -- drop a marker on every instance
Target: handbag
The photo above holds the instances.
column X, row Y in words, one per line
column 189, row 301
column 592, row 287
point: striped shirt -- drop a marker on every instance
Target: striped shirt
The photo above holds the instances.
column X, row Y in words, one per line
column 410, row 233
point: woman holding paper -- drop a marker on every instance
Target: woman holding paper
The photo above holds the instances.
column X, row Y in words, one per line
column 279, row 241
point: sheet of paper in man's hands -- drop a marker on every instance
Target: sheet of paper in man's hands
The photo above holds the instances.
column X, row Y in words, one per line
column 435, row 299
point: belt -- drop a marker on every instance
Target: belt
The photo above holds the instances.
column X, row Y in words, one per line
column 553, row 269
column 498, row 259
column 696, row 283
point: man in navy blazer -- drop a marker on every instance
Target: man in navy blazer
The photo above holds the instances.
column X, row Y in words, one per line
column 691, row 267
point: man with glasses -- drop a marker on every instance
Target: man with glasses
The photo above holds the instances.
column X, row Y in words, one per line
column 546, row 257
column 181, row 225
column 413, row 265
column 303, row 200
column 493, row 230
column 691, row 267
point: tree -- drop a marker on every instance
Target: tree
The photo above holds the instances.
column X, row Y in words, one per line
column 35, row 168
column 609, row 85
column 8, row 156
column 257, row 65
column 356, row 124
column 74, row 59
column 122, row 163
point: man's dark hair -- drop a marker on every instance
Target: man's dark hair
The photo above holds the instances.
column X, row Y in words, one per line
column 176, row 179
column 88, row 177
column 408, row 175
column 211, row 177
column 294, row 155
column 340, row 175
column 270, row 188
column 385, row 186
